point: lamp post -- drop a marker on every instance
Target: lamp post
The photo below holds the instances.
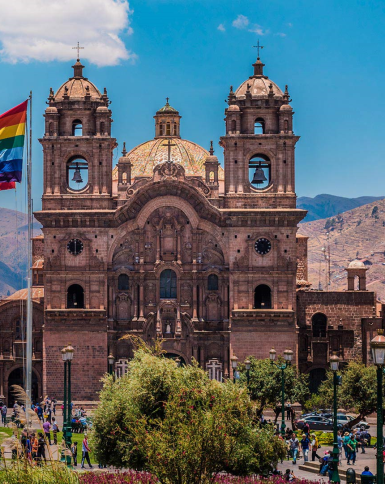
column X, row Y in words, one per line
column 234, row 364
column 64, row 358
column 68, row 439
column 334, row 365
column 287, row 355
column 378, row 351
column 248, row 366
column 111, row 360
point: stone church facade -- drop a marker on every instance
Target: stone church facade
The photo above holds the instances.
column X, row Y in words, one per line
column 170, row 245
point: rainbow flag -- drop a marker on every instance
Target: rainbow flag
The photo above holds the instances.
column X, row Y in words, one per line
column 12, row 133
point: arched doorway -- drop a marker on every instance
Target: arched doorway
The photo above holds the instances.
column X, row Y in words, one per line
column 319, row 324
column 16, row 377
column 174, row 356
column 316, row 377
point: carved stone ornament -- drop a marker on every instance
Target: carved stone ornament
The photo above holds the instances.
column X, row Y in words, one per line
column 169, row 170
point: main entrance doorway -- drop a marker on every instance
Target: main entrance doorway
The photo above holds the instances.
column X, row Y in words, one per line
column 16, row 377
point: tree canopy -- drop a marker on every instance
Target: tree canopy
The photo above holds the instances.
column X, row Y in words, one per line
column 179, row 425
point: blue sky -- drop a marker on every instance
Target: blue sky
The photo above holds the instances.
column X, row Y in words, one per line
column 330, row 53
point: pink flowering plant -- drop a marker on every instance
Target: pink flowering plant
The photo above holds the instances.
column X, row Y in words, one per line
column 179, row 425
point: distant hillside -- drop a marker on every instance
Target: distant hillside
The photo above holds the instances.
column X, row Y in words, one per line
column 13, row 250
column 324, row 206
column 357, row 233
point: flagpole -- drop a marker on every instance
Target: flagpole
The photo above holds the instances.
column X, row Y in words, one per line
column 28, row 379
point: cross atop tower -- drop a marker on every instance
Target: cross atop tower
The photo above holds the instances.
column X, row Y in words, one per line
column 78, row 48
column 258, row 47
column 169, row 144
column 167, row 98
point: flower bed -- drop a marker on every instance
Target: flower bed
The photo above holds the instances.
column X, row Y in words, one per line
column 133, row 477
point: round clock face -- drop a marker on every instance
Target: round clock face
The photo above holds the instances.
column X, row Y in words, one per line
column 75, row 246
column 262, row 246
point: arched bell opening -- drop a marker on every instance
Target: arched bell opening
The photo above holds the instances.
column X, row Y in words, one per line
column 77, row 173
column 259, row 172
column 75, row 297
column 212, row 282
column 319, row 325
column 77, row 128
column 259, row 126
column 262, row 297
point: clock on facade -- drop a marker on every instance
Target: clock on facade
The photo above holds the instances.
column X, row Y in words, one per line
column 262, row 246
column 75, row 246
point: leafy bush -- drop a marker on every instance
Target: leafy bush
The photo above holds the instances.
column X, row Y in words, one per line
column 21, row 472
column 179, row 425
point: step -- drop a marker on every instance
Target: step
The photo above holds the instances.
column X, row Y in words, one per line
column 314, row 468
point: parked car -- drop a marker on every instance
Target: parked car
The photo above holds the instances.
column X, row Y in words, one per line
column 362, row 425
column 315, row 422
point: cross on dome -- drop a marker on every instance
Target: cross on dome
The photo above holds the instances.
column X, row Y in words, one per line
column 78, row 48
column 258, row 47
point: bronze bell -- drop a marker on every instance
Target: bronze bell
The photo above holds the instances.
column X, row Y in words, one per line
column 77, row 175
column 259, row 176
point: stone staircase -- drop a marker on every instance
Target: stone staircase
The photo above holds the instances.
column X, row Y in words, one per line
column 314, row 468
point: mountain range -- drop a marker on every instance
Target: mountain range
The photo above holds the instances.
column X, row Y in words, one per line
column 324, row 206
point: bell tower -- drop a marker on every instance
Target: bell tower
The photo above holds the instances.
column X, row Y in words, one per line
column 77, row 146
column 259, row 144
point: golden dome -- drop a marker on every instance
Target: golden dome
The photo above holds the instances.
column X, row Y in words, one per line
column 147, row 155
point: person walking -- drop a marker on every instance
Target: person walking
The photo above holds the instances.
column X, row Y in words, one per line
column 305, row 444
column 85, row 452
column 352, row 445
column 41, row 448
column 47, row 428
column 294, row 446
column 314, row 447
column 364, row 439
column 340, row 443
column 306, row 429
column 288, row 411
column 345, row 441
column 74, row 452
column 55, row 430
column 4, row 415
column 35, row 446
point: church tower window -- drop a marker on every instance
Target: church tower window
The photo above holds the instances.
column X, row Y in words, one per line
column 212, row 282
column 259, row 172
column 75, row 297
column 18, row 330
column 77, row 128
column 233, row 126
column 168, row 284
column 319, row 323
column 262, row 297
column 123, row 282
column 77, row 173
column 259, row 126
column 168, row 129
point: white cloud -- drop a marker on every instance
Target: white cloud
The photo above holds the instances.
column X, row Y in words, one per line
column 257, row 29
column 221, row 27
column 46, row 30
column 290, row 24
column 241, row 22
column 281, row 34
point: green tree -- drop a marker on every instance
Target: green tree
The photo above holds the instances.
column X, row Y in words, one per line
column 179, row 425
column 374, row 211
column 265, row 384
column 358, row 390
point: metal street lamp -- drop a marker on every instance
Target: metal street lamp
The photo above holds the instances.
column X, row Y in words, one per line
column 234, row 364
column 334, row 365
column 248, row 366
column 64, row 358
column 378, row 351
column 288, row 356
column 68, row 440
column 111, row 360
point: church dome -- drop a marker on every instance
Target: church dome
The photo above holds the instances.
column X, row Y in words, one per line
column 356, row 264
column 233, row 107
column 147, row 155
column 77, row 87
column 259, row 85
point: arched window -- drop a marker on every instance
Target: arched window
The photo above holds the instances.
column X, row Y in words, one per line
column 124, row 178
column 286, row 125
column 77, row 128
column 18, row 330
column 123, row 282
column 259, row 171
column 233, row 126
column 212, row 282
column 319, row 322
column 75, row 297
column 211, row 177
column 102, row 127
column 77, row 173
column 168, row 284
column 168, row 129
column 262, row 297
column 175, row 129
column 259, row 126
column 50, row 129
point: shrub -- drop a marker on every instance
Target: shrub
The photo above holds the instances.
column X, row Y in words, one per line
column 21, row 472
